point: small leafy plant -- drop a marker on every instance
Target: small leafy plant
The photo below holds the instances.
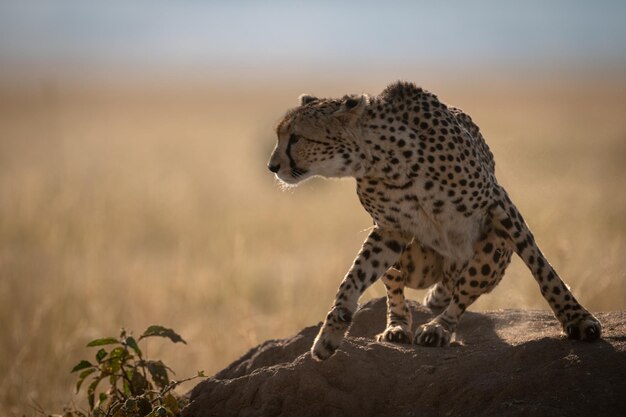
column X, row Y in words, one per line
column 137, row 386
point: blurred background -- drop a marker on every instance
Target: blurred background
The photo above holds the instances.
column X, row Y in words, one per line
column 134, row 138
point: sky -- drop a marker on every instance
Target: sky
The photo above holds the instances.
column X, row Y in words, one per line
column 79, row 38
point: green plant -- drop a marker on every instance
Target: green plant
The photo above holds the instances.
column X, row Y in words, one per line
column 137, row 386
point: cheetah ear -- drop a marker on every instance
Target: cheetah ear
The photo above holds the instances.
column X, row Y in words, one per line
column 352, row 107
column 306, row 99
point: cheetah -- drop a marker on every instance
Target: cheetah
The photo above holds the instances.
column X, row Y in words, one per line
column 441, row 220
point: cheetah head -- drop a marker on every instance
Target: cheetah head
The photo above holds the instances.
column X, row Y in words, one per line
column 320, row 137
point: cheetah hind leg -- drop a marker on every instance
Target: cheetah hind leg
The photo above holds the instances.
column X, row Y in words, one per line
column 437, row 298
column 577, row 322
column 439, row 331
column 399, row 318
column 483, row 272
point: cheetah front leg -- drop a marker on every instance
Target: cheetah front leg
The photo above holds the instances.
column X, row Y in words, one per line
column 418, row 267
column 381, row 249
column 399, row 318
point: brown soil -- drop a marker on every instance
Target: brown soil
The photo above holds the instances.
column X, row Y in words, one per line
column 503, row 363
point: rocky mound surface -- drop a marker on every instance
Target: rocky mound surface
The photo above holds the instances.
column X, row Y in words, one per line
column 503, row 363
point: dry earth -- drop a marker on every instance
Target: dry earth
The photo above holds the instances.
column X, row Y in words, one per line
column 503, row 363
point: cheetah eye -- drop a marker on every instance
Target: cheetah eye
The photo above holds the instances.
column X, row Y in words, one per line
column 294, row 138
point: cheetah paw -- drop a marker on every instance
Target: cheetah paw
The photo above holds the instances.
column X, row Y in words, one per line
column 395, row 334
column 586, row 328
column 331, row 333
column 432, row 334
column 323, row 348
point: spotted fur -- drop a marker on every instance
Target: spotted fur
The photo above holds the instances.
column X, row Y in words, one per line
column 426, row 176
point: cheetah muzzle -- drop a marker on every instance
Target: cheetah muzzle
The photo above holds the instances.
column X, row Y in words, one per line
column 441, row 220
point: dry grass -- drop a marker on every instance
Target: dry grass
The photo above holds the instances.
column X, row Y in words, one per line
column 129, row 209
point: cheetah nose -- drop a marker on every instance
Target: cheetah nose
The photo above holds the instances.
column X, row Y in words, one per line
column 274, row 168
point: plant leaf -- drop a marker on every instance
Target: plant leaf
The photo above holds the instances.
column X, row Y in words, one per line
column 100, row 355
column 82, row 376
column 158, row 371
column 162, row 332
column 116, row 409
column 130, row 341
column 144, row 407
column 139, row 383
column 126, row 388
column 172, row 404
column 91, row 391
column 81, row 365
column 159, row 411
column 103, row 341
column 118, row 352
column 114, row 360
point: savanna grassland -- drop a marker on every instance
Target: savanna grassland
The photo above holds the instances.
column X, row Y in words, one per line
column 125, row 208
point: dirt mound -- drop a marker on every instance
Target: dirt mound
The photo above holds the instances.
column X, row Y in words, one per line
column 502, row 363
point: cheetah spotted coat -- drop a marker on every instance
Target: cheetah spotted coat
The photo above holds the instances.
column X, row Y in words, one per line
column 441, row 220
